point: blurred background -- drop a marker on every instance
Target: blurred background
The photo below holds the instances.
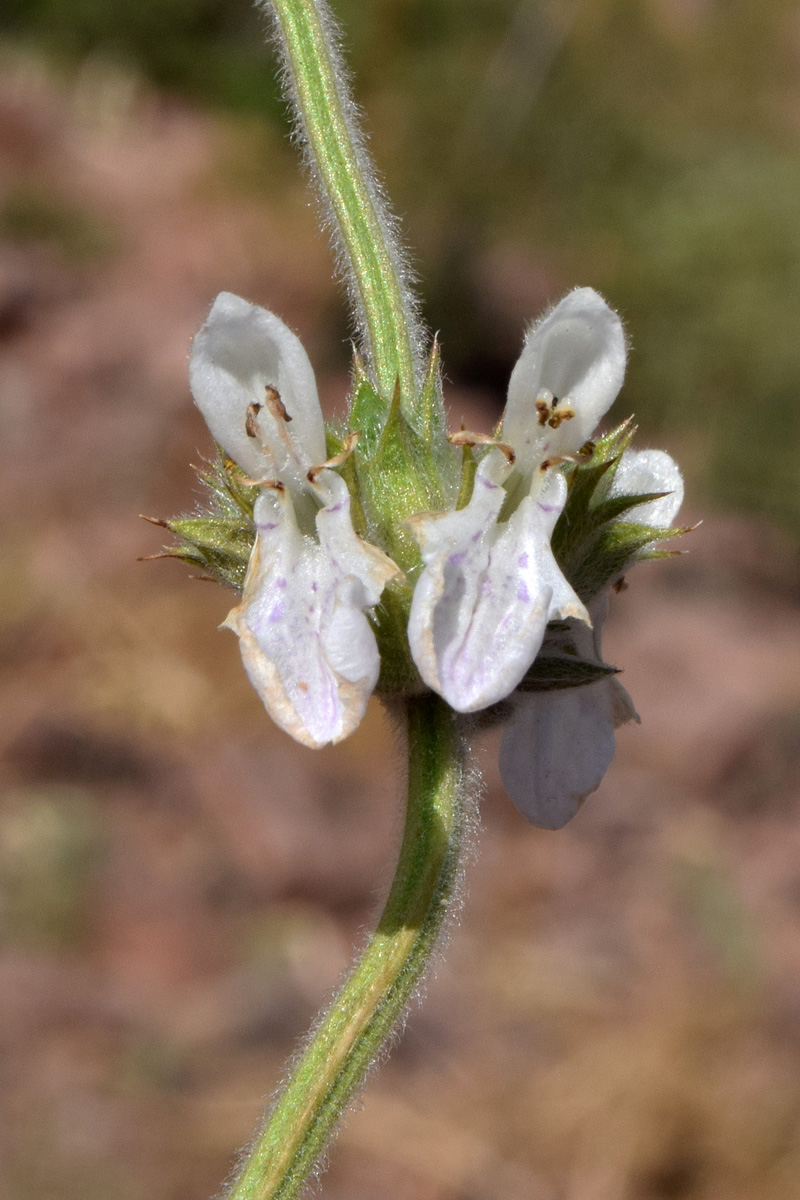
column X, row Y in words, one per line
column 618, row 1014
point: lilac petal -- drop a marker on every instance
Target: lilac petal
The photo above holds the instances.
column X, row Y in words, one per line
column 576, row 352
column 482, row 603
column 240, row 352
column 305, row 640
column 557, row 747
column 643, row 471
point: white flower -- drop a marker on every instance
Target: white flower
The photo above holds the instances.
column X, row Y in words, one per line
column 558, row 745
column 305, row 640
column 490, row 583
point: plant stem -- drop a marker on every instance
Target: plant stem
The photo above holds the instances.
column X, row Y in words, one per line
column 326, row 113
column 373, row 999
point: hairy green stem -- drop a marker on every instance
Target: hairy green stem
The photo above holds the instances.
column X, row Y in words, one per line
column 375, row 270
column 367, row 1009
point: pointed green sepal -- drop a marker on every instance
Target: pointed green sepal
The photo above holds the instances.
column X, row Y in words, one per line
column 548, row 674
column 219, row 537
column 613, row 551
column 230, row 493
column 593, row 542
column 427, row 413
column 396, row 481
column 368, row 409
column 221, row 546
column 611, row 510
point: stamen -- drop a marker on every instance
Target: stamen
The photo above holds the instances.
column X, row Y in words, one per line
column 547, row 463
column 544, row 404
column 562, row 411
column 552, row 411
column 348, row 446
column 274, row 484
column 277, row 410
column 251, row 421
column 466, row 438
column 275, row 404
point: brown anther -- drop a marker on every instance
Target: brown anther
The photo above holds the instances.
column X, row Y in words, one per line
column 547, row 463
column 465, row 437
column 565, row 413
column 251, row 421
column 621, row 585
column 275, row 404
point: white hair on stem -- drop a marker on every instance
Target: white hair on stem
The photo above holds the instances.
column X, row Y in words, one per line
column 387, row 223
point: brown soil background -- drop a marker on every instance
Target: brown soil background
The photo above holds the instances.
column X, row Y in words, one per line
column 618, row 1013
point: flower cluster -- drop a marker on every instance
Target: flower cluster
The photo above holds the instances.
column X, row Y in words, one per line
column 387, row 554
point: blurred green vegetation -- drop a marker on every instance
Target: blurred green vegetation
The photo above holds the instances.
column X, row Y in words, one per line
column 31, row 215
column 50, row 847
column 646, row 147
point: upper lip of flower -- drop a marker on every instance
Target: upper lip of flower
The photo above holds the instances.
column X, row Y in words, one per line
column 240, row 352
column 573, row 358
